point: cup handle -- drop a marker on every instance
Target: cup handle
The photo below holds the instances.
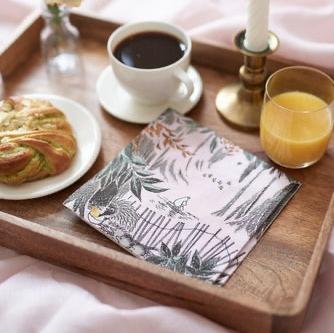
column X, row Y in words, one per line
column 184, row 78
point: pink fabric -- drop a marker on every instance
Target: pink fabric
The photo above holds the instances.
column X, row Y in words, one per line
column 305, row 27
column 39, row 297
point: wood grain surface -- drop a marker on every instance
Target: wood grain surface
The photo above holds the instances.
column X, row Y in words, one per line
column 268, row 292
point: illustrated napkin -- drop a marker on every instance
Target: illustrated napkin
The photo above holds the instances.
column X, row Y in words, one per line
column 183, row 198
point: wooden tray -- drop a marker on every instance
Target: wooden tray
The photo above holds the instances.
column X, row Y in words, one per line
column 270, row 290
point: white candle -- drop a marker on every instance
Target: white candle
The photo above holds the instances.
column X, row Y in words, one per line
column 257, row 25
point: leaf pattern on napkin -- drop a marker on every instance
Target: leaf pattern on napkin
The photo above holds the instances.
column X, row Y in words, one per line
column 181, row 197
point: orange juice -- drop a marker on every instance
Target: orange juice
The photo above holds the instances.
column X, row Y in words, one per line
column 295, row 128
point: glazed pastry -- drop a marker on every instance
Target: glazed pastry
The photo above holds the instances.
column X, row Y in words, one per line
column 36, row 140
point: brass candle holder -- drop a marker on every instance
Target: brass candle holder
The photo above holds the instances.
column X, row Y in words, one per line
column 240, row 103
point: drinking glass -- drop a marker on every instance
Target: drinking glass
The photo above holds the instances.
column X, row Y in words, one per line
column 297, row 116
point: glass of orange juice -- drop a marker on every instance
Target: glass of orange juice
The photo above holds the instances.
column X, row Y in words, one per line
column 297, row 116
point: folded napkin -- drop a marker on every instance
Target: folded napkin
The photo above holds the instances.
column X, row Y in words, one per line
column 181, row 197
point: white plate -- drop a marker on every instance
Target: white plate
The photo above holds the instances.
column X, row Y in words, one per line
column 88, row 135
column 116, row 101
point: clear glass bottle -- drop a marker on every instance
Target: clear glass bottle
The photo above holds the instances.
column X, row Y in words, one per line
column 59, row 42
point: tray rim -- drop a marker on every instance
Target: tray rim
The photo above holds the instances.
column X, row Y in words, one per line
column 19, row 44
column 122, row 258
column 207, row 53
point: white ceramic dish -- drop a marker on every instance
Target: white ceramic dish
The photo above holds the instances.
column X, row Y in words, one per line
column 119, row 103
column 88, row 135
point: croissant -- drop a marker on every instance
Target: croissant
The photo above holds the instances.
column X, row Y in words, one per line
column 36, row 141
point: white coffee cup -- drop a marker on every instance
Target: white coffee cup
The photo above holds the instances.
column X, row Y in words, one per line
column 158, row 85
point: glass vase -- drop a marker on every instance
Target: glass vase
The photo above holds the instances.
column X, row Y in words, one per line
column 59, row 42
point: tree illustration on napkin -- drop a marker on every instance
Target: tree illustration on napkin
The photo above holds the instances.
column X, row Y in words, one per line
column 180, row 197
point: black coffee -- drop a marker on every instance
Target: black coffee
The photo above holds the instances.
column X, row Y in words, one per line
column 149, row 50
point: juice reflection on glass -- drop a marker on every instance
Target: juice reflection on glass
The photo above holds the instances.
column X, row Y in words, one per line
column 297, row 116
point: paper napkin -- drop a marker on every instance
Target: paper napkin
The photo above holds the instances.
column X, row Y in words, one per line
column 183, row 198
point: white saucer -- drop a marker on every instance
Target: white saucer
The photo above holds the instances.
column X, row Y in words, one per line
column 116, row 101
column 88, row 135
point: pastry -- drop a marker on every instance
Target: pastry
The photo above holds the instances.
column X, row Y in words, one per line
column 36, row 141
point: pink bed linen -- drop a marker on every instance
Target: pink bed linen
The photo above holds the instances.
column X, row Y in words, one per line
column 39, row 297
column 305, row 27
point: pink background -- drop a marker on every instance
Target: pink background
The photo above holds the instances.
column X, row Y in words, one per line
column 39, row 297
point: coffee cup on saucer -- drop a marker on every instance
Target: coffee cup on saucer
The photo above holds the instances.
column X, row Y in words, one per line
column 150, row 71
